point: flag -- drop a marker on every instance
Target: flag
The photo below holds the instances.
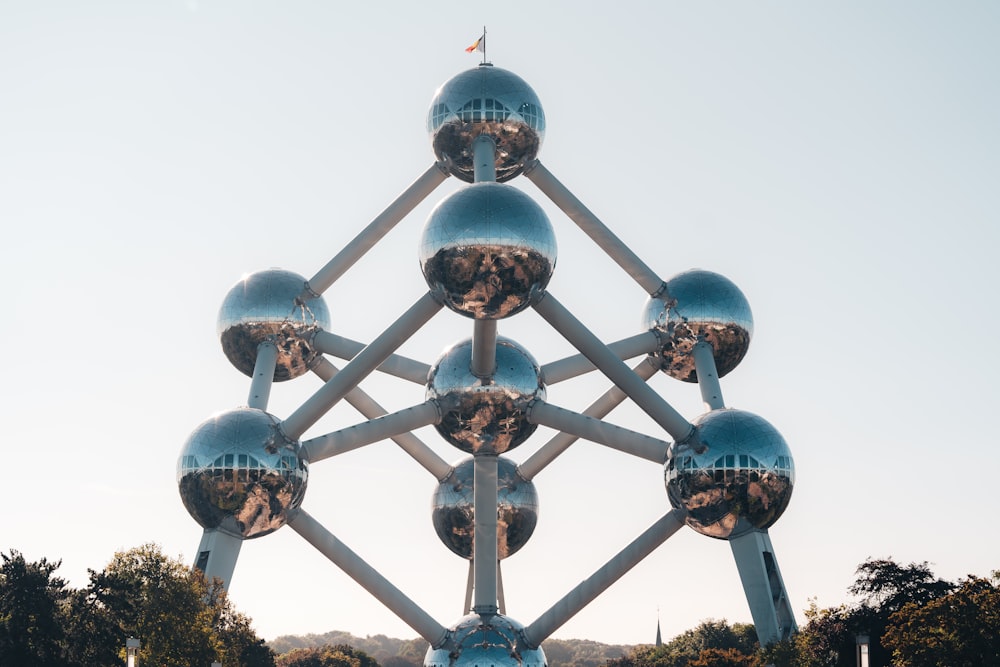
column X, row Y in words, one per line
column 478, row 45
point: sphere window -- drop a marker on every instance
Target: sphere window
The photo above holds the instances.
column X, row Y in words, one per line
column 439, row 113
column 531, row 115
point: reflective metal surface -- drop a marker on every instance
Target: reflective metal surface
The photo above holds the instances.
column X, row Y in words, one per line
column 699, row 305
column 492, row 101
column 453, row 511
column 742, row 479
column 237, row 474
column 485, row 414
column 484, row 247
column 485, row 641
column 262, row 306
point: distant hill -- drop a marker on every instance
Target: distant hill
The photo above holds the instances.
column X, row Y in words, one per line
column 390, row 652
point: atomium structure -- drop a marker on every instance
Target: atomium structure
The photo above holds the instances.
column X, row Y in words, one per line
column 487, row 253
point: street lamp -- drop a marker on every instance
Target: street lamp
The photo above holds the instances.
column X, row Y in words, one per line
column 862, row 650
column 131, row 648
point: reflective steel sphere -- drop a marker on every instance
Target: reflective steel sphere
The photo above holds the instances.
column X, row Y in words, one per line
column 488, row 640
column 699, row 305
column 491, row 101
column 238, row 474
column 485, row 247
column 485, row 415
column 742, row 480
column 263, row 307
column 453, row 511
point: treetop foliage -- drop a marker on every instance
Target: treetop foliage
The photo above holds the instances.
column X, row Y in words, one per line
column 179, row 618
column 911, row 617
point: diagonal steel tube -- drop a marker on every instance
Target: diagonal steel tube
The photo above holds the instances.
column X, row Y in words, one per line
column 571, row 367
column 370, row 409
column 609, row 573
column 595, row 430
column 347, row 349
column 379, row 227
column 374, row 430
column 365, row 575
column 360, row 367
column 593, row 227
column 614, row 368
column 561, row 441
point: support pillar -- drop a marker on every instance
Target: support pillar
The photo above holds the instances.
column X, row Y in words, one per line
column 763, row 586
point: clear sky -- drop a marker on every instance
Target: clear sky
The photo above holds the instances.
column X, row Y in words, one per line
column 840, row 162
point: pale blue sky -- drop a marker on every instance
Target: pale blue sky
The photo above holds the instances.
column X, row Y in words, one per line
column 839, row 161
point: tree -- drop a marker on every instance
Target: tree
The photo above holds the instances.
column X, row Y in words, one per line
column 31, row 628
column 712, row 642
column 161, row 601
column 717, row 657
column 340, row 655
column 959, row 629
column 887, row 586
column 238, row 643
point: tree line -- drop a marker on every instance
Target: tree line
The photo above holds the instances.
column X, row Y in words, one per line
column 910, row 619
column 905, row 615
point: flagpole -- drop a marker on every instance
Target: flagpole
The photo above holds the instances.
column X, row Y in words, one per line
column 484, row 45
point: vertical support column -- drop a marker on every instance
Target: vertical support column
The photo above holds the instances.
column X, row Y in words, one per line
column 763, row 586
column 484, row 332
column 484, row 540
column 263, row 375
column 484, row 348
column 217, row 554
column 484, row 157
column 469, row 585
column 708, row 375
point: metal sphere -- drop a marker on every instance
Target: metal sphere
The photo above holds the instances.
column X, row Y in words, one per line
column 238, row 474
column 741, row 480
column 491, row 101
column 699, row 305
column 485, row 415
column 487, row 640
column 264, row 306
column 453, row 509
column 484, row 248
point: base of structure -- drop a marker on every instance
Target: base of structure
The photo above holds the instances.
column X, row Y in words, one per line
column 217, row 554
column 763, row 586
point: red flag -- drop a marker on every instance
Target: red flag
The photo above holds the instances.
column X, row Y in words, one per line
column 478, row 45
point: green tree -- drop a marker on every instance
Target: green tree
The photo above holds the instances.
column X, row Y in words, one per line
column 882, row 587
column 718, row 657
column 885, row 587
column 238, row 643
column 713, row 642
column 960, row 629
column 340, row 655
column 31, row 619
column 161, row 601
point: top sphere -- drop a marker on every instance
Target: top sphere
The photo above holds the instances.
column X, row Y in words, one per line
column 491, row 101
column 699, row 305
column 264, row 306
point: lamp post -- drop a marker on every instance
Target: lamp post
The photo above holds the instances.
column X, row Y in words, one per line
column 131, row 648
column 862, row 651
